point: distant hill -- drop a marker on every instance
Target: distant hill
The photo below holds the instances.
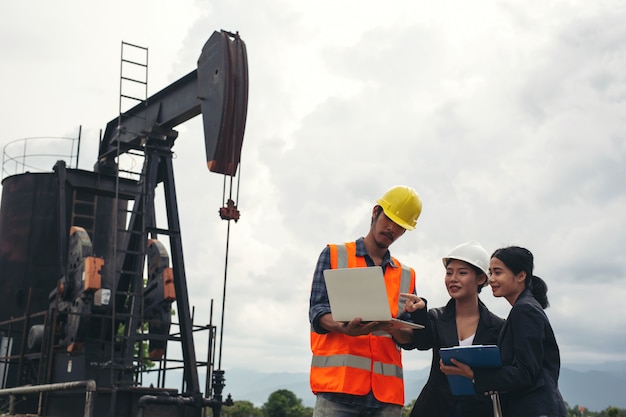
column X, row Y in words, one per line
column 595, row 389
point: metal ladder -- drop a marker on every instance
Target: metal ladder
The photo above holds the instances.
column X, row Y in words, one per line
column 84, row 206
column 128, row 260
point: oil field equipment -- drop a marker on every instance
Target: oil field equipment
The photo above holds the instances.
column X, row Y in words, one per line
column 87, row 283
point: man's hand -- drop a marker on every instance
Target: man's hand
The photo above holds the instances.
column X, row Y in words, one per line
column 358, row 328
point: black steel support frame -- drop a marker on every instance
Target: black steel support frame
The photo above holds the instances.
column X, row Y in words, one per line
column 158, row 166
column 180, row 280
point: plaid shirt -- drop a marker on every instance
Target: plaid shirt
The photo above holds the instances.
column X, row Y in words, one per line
column 319, row 305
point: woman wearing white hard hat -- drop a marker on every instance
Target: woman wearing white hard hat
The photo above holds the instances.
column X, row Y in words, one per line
column 464, row 320
column 531, row 360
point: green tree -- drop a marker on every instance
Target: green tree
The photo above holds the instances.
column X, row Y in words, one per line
column 238, row 409
column 284, row 403
column 406, row 410
column 612, row 412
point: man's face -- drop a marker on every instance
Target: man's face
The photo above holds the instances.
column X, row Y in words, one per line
column 384, row 230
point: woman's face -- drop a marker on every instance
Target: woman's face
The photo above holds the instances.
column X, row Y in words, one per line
column 462, row 280
column 503, row 282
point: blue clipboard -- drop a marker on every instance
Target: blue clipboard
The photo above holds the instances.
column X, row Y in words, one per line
column 476, row 356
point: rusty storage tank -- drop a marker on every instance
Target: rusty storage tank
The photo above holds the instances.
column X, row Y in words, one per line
column 36, row 213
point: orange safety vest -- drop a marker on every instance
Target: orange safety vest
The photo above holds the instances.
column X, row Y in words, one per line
column 373, row 362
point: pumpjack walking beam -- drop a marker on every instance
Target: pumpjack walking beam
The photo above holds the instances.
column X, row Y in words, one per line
column 218, row 90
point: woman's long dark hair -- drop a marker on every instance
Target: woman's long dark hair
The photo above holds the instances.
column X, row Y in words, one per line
column 519, row 259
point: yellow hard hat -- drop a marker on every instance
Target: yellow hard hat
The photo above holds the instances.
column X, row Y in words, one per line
column 402, row 205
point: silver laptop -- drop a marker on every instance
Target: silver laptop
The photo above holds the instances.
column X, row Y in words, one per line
column 360, row 292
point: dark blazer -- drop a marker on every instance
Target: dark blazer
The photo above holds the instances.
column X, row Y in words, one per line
column 440, row 330
column 531, row 363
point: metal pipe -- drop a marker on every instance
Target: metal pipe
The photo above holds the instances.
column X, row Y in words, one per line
column 178, row 401
column 497, row 409
column 90, row 388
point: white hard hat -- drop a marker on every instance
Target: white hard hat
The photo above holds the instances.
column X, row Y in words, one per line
column 472, row 253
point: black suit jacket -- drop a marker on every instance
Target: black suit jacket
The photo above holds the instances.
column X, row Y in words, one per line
column 531, row 363
column 440, row 331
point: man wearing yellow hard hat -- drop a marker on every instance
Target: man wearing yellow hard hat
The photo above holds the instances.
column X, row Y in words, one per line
column 357, row 367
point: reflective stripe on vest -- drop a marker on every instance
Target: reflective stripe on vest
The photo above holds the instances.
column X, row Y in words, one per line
column 341, row 360
column 405, row 285
column 387, row 369
column 342, row 256
column 357, row 362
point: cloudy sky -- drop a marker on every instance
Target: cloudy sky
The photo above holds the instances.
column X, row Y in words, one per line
column 507, row 117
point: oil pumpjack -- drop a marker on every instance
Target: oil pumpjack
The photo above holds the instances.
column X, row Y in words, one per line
column 86, row 282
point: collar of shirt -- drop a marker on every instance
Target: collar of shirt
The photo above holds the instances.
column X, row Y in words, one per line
column 361, row 251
